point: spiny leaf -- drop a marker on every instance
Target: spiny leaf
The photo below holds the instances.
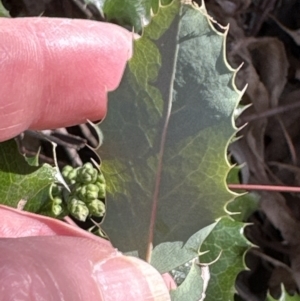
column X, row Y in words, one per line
column 244, row 204
column 34, row 160
column 193, row 286
column 135, row 13
column 176, row 258
column 226, row 243
column 22, row 182
column 166, row 133
column 170, row 255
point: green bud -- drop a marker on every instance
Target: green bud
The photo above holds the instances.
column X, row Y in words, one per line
column 66, row 170
column 54, row 208
column 72, row 177
column 57, row 200
column 70, row 174
column 87, row 174
column 97, row 208
column 57, row 208
column 88, row 165
column 102, row 190
column 92, row 192
column 101, row 179
column 78, row 209
column 87, row 192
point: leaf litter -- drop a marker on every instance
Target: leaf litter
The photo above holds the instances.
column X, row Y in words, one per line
column 264, row 35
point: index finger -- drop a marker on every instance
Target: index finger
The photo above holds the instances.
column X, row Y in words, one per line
column 56, row 72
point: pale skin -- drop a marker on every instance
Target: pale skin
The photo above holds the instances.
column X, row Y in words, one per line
column 56, row 73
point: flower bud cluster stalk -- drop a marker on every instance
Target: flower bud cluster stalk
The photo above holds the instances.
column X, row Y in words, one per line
column 86, row 196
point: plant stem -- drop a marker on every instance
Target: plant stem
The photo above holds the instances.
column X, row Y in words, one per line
column 251, row 187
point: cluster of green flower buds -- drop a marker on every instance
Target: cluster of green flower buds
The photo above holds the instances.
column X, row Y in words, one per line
column 86, row 196
column 56, row 206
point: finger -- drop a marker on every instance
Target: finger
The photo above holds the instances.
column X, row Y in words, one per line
column 72, row 268
column 50, row 268
column 56, row 72
column 36, row 258
column 17, row 223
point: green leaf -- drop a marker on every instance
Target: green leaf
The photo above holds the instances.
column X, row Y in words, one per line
column 243, row 206
column 226, row 246
column 167, row 131
column 125, row 12
column 21, row 182
column 3, row 11
column 176, row 257
column 33, row 160
column 130, row 13
column 170, row 255
column 192, row 288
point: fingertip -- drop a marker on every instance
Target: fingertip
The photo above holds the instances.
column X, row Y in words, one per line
column 57, row 72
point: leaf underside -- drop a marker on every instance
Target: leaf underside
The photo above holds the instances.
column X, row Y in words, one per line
column 166, row 133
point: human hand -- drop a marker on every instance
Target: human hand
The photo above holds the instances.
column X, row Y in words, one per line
column 55, row 73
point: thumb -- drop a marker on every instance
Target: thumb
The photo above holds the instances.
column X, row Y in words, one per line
column 56, row 72
column 74, row 268
column 34, row 247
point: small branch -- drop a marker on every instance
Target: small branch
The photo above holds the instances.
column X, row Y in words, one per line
column 253, row 187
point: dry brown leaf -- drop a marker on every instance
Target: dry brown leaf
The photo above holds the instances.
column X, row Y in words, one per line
column 270, row 61
column 277, row 149
column 232, row 7
column 294, row 34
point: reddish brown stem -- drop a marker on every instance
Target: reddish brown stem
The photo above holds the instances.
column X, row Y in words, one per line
column 251, row 187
